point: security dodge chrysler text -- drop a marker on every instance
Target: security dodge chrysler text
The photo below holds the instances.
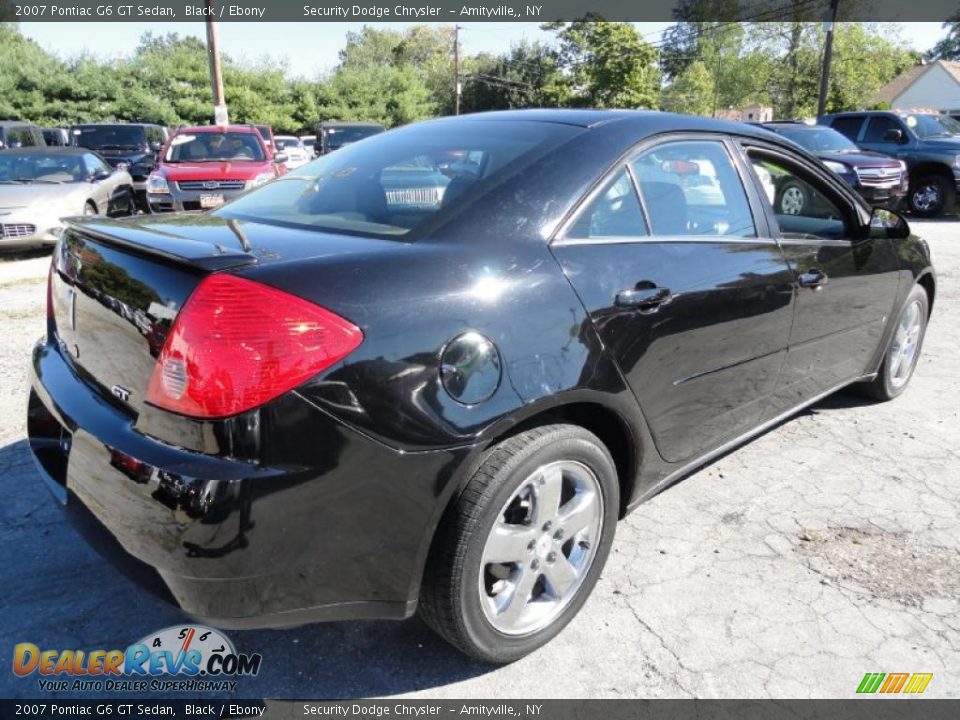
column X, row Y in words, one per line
column 353, row 393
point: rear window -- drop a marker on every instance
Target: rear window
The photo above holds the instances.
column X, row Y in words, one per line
column 110, row 137
column 214, row 147
column 394, row 183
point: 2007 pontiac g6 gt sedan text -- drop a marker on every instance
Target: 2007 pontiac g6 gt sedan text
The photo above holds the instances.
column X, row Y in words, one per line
column 432, row 369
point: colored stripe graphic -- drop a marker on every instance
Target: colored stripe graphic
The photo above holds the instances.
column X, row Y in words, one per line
column 870, row 682
column 894, row 683
column 918, row 682
column 913, row 683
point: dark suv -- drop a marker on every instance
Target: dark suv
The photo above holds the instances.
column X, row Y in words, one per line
column 126, row 146
column 928, row 142
column 19, row 134
column 881, row 180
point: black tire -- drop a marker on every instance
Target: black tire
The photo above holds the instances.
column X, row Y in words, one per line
column 450, row 600
column 931, row 196
column 793, row 199
column 884, row 387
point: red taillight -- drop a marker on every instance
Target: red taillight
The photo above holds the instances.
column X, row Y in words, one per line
column 237, row 344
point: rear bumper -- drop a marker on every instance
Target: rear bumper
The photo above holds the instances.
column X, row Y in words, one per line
column 242, row 544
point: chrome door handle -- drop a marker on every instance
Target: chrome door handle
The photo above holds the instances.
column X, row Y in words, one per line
column 645, row 300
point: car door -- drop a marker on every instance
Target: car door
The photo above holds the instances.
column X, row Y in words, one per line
column 845, row 286
column 879, row 136
column 108, row 193
column 672, row 259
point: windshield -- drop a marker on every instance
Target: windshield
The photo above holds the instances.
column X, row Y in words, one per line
column 119, row 137
column 818, row 139
column 337, row 136
column 16, row 168
column 215, row 147
column 933, row 125
column 396, row 182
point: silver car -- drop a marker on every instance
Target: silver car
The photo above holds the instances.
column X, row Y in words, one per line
column 40, row 185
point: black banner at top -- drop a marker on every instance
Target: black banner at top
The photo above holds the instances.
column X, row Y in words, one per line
column 453, row 11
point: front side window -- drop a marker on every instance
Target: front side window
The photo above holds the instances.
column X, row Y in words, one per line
column 802, row 209
column 878, row 128
column 395, row 182
column 614, row 213
column 691, row 187
column 215, row 147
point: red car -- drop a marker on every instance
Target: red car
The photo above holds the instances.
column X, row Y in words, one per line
column 203, row 167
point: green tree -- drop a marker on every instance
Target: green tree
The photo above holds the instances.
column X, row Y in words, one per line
column 528, row 75
column 948, row 48
column 606, row 64
column 693, row 92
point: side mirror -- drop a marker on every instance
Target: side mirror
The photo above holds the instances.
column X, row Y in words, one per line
column 155, row 146
column 887, row 225
column 280, row 158
column 100, row 176
column 893, row 135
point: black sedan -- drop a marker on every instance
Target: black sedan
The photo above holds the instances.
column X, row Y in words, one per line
column 880, row 179
column 321, row 401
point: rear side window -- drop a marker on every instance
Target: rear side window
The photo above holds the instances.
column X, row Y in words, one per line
column 849, row 126
column 393, row 183
column 614, row 213
column 692, row 188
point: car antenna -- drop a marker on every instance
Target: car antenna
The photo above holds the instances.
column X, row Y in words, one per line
column 241, row 236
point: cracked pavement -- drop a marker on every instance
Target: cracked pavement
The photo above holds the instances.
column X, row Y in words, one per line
column 827, row 548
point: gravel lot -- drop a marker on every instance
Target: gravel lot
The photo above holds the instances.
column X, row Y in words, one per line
column 825, row 549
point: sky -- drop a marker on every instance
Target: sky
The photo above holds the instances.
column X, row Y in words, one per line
column 311, row 48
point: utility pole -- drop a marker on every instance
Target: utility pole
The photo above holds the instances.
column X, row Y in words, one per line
column 456, row 69
column 216, row 77
column 829, row 24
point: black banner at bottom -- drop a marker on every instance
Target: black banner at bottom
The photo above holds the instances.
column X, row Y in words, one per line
column 865, row 709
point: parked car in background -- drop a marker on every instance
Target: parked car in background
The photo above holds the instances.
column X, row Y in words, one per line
column 202, row 167
column 41, row 185
column 310, row 143
column 292, row 147
column 332, row 135
column 18, row 134
column 881, row 180
column 929, row 143
column 266, row 133
column 126, row 146
column 352, row 408
column 57, row 137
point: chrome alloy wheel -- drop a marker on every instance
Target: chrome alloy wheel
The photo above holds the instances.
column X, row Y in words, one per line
column 906, row 342
column 541, row 547
column 927, row 197
column 792, row 201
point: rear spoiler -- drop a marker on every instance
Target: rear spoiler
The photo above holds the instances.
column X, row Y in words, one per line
column 153, row 243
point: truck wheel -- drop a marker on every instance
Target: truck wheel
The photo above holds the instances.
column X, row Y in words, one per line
column 931, row 195
column 519, row 551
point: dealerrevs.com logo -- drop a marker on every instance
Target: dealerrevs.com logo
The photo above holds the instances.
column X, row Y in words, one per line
column 188, row 658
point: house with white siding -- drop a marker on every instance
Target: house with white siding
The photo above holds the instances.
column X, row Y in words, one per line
column 934, row 86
